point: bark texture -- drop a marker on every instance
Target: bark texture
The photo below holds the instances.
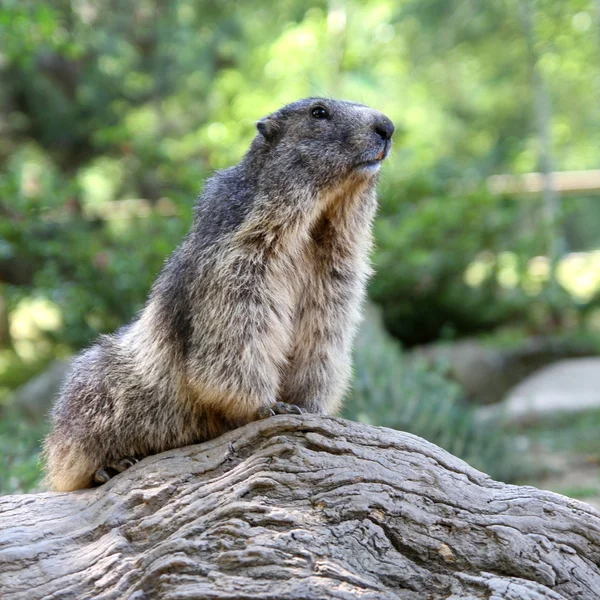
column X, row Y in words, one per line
column 301, row 507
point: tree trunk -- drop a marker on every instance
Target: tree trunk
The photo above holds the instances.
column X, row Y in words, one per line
column 301, row 507
column 543, row 122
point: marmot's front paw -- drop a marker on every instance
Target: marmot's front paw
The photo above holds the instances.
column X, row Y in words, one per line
column 103, row 475
column 280, row 408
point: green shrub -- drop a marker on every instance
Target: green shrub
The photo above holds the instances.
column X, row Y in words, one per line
column 97, row 271
column 20, row 445
column 426, row 239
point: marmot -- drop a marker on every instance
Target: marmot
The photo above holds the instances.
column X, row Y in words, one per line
column 253, row 314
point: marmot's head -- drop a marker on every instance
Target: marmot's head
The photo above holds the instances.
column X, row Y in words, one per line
column 325, row 141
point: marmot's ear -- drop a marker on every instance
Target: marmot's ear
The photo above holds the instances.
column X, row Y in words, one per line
column 268, row 128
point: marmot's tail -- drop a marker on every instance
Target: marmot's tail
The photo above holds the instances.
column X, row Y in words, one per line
column 68, row 467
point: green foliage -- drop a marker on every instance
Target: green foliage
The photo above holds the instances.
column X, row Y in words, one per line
column 425, row 245
column 98, row 272
column 454, row 264
column 20, row 444
column 389, row 390
column 102, row 102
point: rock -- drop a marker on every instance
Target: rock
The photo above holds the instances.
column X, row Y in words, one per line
column 566, row 386
column 301, row 507
column 486, row 373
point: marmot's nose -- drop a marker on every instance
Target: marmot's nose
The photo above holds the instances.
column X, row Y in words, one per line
column 384, row 128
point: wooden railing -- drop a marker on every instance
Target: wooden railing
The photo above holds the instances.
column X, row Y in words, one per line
column 564, row 182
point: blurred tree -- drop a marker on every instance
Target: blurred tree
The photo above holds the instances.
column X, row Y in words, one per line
column 543, row 120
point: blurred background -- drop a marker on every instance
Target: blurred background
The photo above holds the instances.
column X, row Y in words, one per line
column 483, row 326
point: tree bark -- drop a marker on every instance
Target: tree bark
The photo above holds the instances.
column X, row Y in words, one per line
column 301, row 506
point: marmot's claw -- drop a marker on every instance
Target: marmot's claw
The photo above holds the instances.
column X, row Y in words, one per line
column 283, row 408
column 265, row 412
column 279, row 408
column 124, row 464
column 101, row 476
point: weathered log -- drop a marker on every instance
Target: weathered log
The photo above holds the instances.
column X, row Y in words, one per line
column 301, row 507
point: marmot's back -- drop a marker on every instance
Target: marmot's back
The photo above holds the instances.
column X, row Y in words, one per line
column 254, row 313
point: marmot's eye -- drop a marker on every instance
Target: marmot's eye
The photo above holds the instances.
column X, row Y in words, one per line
column 319, row 112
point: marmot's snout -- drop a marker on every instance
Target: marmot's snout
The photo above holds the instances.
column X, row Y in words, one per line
column 378, row 140
column 384, row 128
